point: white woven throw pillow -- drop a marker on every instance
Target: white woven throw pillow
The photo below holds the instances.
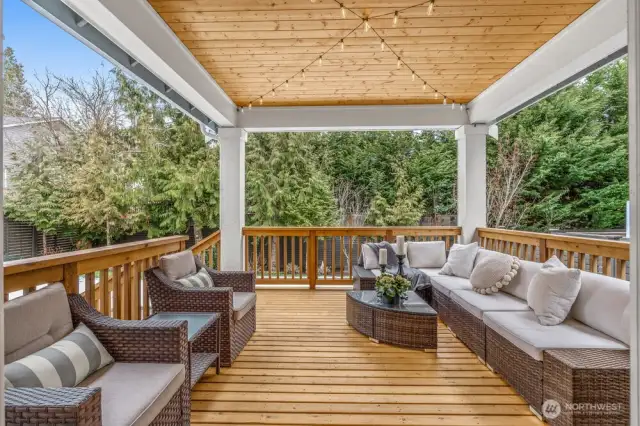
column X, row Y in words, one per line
column 552, row 291
column 460, row 260
column 493, row 272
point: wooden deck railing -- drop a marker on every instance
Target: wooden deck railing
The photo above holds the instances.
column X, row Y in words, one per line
column 283, row 255
column 111, row 278
column 600, row 256
column 208, row 249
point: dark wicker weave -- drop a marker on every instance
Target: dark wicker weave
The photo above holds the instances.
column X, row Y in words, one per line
column 417, row 331
column 468, row 328
column 126, row 341
column 593, row 383
column 363, row 279
column 521, row 371
column 166, row 296
column 442, row 304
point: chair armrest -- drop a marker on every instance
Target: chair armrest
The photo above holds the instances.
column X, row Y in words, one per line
column 363, row 279
column 134, row 341
column 80, row 406
column 238, row 280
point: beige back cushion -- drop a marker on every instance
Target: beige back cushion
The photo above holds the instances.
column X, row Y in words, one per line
column 601, row 304
column 35, row 321
column 519, row 286
column 178, row 265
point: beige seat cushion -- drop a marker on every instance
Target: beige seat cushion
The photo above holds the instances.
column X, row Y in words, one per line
column 430, row 271
column 524, row 331
column 35, row 321
column 446, row 283
column 134, row 394
column 242, row 303
column 477, row 304
column 178, row 265
column 601, row 304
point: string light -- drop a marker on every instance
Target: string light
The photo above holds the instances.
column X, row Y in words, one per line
column 367, row 26
column 430, row 7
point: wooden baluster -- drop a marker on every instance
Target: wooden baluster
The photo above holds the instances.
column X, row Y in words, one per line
column 89, row 288
column 582, row 261
column 350, row 271
column 607, row 266
column 285, row 254
column 255, row 255
column 117, row 282
column 341, row 242
column 145, row 290
column 211, row 257
column 388, row 235
column 324, row 250
column 300, row 256
column 104, row 291
column 218, row 256
column 126, row 291
column 246, row 253
column 262, row 259
column 270, row 253
column 593, row 263
column 135, row 290
column 70, row 278
column 543, row 251
column 333, row 257
column 278, row 259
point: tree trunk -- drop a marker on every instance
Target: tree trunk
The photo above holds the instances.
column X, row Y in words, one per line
column 45, row 249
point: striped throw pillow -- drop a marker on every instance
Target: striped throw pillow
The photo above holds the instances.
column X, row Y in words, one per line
column 64, row 364
column 200, row 279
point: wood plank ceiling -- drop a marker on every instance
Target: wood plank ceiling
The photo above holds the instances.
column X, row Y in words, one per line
column 253, row 46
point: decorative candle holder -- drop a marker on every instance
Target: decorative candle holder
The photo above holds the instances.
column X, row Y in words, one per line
column 383, row 268
column 401, row 264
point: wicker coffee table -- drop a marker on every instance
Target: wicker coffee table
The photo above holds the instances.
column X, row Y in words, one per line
column 412, row 323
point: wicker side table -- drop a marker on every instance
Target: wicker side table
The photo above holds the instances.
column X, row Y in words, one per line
column 591, row 386
column 411, row 324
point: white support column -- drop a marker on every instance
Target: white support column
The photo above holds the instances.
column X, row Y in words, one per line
column 232, row 179
column 634, row 183
column 472, row 179
column 1, row 230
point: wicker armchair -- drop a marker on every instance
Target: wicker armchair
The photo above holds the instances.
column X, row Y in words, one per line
column 126, row 341
column 167, row 296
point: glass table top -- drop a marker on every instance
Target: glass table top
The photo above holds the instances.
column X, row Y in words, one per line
column 412, row 304
column 195, row 320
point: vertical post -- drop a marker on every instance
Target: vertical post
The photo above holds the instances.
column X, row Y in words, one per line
column 1, row 228
column 70, row 278
column 232, row 180
column 312, row 259
column 634, row 184
column 472, row 179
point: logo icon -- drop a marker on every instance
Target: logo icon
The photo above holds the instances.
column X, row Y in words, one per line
column 551, row 409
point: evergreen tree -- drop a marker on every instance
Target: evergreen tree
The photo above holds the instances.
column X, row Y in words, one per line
column 17, row 99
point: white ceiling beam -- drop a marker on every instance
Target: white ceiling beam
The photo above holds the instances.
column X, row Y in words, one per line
column 352, row 118
column 136, row 28
column 593, row 40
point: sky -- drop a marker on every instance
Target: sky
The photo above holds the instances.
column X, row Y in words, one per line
column 40, row 44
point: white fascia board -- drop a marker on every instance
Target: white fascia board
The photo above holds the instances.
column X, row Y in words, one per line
column 352, row 118
column 137, row 29
column 591, row 41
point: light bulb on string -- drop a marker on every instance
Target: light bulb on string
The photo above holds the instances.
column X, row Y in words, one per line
column 343, row 11
column 366, row 25
column 382, row 45
column 424, row 86
column 435, row 95
column 453, row 105
column 461, row 107
column 250, row 105
column 395, row 19
column 320, row 60
column 273, row 93
column 399, row 63
column 444, row 101
column 413, row 76
column 286, row 84
column 261, row 100
column 430, row 7
column 304, row 75
column 342, row 45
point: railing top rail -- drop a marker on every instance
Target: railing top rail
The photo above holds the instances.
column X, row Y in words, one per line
column 351, row 228
column 206, row 242
column 554, row 237
column 34, row 263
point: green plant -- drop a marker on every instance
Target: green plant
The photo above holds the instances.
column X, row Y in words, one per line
column 389, row 286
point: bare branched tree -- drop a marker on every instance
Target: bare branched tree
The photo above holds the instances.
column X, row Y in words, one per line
column 514, row 161
column 353, row 209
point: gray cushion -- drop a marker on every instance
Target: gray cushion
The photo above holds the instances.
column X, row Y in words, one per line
column 64, row 364
column 477, row 304
column 201, row 279
column 35, row 321
column 601, row 303
column 519, row 285
column 445, row 283
column 242, row 303
column 134, row 394
column 461, row 260
column 524, row 331
column 178, row 265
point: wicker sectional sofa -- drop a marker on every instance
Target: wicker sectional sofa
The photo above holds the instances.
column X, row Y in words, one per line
column 582, row 364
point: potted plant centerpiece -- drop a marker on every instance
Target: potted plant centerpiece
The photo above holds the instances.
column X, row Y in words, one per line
column 391, row 288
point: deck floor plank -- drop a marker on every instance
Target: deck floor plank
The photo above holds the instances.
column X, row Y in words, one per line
column 306, row 366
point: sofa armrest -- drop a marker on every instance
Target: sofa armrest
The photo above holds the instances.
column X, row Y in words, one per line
column 238, row 280
column 80, row 406
column 363, row 279
column 134, row 341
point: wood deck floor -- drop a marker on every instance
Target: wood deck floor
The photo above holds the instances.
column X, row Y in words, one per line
column 306, row 366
